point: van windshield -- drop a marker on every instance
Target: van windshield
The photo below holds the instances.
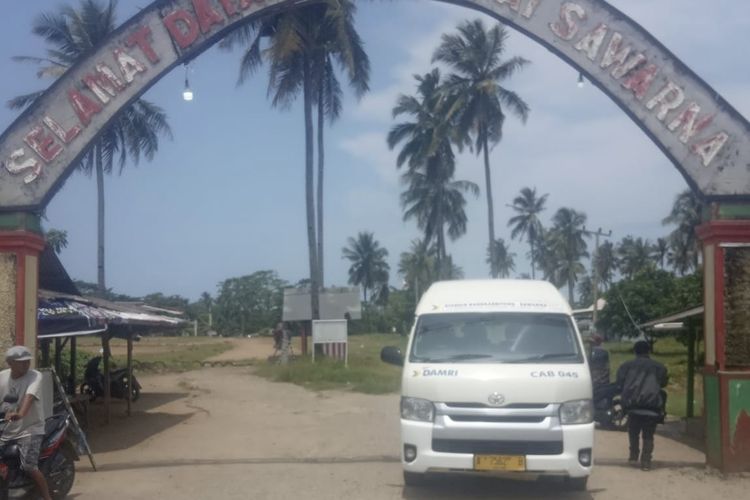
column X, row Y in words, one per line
column 495, row 337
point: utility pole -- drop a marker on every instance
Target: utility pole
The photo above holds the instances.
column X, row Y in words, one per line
column 594, row 275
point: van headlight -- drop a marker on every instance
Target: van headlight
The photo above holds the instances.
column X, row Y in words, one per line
column 417, row 409
column 577, row 412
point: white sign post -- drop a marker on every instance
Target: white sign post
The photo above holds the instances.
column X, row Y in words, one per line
column 332, row 333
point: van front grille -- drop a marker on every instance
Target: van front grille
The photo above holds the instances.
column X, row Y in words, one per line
column 497, row 447
column 519, row 419
column 514, row 406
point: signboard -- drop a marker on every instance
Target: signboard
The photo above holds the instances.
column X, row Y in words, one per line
column 335, row 303
column 333, row 335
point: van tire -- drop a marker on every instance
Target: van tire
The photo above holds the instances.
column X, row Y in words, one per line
column 577, row 483
column 414, row 479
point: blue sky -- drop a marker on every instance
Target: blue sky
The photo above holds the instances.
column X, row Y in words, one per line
column 226, row 196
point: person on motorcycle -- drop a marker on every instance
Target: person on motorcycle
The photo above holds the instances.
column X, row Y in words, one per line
column 641, row 381
column 25, row 417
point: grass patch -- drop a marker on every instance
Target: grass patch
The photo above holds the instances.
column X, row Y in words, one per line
column 163, row 354
column 365, row 373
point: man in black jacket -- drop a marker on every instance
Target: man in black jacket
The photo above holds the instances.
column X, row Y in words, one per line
column 641, row 381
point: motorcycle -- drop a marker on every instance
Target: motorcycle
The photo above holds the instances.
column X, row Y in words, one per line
column 609, row 412
column 56, row 460
column 93, row 382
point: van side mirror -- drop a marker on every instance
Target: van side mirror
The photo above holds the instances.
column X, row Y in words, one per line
column 392, row 355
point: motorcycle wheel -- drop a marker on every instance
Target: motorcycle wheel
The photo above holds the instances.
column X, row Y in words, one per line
column 63, row 474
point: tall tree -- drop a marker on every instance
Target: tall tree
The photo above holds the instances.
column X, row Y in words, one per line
column 605, row 261
column 527, row 224
column 501, row 259
column 432, row 197
column 479, row 100
column 659, row 251
column 417, row 267
column 338, row 44
column 71, row 33
column 569, row 246
column 686, row 214
column 56, row 240
column 634, row 256
column 304, row 44
column 368, row 268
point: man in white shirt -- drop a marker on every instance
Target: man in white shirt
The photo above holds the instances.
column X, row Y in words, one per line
column 20, row 393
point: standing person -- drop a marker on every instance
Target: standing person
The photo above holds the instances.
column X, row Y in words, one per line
column 278, row 335
column 641, row 381
column 24, row 415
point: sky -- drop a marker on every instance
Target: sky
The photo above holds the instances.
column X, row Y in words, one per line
column 225, row 197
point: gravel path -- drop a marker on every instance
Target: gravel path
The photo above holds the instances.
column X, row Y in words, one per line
column 222, row 433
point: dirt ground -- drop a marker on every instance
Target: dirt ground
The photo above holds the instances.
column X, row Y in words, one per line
column 223, row 433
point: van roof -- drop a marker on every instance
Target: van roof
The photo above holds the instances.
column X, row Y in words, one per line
column 492, row 296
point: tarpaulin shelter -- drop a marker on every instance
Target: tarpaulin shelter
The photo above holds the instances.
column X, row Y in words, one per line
column 63, row 316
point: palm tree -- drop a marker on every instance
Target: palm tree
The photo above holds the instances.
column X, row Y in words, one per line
column 417, row 267
column 432, row 197
column 569, row 246
column 436, row 202
column 56, row 240
column 686, row 214
column 479, row 100
column 660, row 249
column 501, row 260
column 338, row 44
column 303, row 45
column 634, row 256
column 451, row 270
column 606, row 263
column 71, row 34
column 527, row 223
column 368, row 268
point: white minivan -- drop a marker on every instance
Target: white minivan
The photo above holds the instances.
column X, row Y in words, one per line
column 495, row 381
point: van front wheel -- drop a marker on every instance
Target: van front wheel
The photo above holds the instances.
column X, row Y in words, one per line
column 414, row 479
column 577, row 483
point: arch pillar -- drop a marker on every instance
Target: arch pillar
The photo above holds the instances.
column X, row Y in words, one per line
column 21, row 242
column 726, row 376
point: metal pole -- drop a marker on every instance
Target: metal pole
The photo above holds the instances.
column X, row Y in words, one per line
column 690, row 372
column 107, row 395
column 73, row 361
column 58, row 354
column 130, row 369
column 594, row 274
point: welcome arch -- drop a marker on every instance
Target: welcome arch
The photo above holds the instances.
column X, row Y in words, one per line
column 706, row 139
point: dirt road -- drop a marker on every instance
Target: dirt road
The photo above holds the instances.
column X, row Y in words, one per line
column 222, row 433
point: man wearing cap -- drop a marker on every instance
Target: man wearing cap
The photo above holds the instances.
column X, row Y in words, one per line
column 20, row 393
column 641, row 381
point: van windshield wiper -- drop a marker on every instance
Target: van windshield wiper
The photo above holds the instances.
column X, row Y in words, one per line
column 455, row 357
column 540, row 357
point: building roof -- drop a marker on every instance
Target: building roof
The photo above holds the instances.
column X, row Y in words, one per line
column 695, row 311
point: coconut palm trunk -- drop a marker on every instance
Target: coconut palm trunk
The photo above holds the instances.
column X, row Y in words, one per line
column 100, row 218
column 488, row 189
column 309, row 189
column 321, row 162
column 533, row 273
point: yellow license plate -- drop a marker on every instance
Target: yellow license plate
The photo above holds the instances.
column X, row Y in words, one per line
column 514, row 463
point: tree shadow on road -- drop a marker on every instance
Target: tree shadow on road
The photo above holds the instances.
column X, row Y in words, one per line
column 469, row 487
